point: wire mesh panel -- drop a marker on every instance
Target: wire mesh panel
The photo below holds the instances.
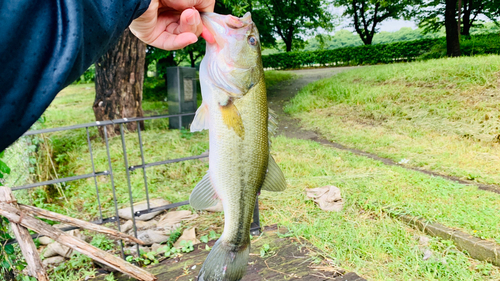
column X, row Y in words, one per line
column 116, row 171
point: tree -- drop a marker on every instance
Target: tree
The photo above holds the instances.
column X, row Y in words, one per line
column 368, row 14
column 192, row 53
column 292, row 19
column 432, row 19
column 119, row 81
column 451, row 26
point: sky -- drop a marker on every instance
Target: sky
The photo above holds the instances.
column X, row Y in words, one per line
column 391, row 25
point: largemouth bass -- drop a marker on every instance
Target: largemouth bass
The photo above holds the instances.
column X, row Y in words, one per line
column 235, row 112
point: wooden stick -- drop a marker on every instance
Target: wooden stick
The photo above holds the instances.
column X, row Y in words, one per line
column 28, row 248
column 15, row 215
column 79, row 223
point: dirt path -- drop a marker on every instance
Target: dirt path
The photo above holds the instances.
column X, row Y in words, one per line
column 281, row 93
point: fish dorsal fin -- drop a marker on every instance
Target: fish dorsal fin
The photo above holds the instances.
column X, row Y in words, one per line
column 272, row 123
column 200, row 121
column 203, row 195
column 275, row 180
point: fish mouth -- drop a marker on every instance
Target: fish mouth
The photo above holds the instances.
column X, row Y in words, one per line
column 219, row 25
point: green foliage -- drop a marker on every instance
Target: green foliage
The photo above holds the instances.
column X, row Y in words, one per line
column 87, row 77
column 204, row 239
column 4, row 169
column 154, row 89
column 11, row 261
column 76, row 268
column 102, row 242
column 382, row 53
column 264, row 250
column 367, row 54
column 187, row 246
column 173, row 237
column 469, row 46
column 291, row 20
column 367, row 15
column 431, row 14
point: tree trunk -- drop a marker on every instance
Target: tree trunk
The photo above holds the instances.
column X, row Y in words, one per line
column 466, row 18
column 459, row 18
column 450, row 22
column 367, row 39
column 119, row 80
column 288, row 45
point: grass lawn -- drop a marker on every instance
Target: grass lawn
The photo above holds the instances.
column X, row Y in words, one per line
column 361, row 238
column 442, row 115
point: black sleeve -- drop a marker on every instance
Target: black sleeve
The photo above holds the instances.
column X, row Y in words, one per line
column 45, row 45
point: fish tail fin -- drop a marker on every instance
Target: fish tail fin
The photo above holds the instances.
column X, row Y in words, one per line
column 225, row 262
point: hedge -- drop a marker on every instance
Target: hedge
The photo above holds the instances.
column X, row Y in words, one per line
column 381, row 53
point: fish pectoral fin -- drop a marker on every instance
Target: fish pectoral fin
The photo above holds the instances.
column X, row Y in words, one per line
column 275, row 180
column 203, row 195
column 200, row 121
column 232, row 118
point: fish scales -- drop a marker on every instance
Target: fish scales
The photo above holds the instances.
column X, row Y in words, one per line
column 235, row 112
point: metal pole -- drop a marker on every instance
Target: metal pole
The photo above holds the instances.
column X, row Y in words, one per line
column 95, row 177
column 128, row 183
column 113, row 187
column 143, row 165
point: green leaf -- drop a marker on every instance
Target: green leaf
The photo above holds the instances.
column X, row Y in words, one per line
column 9, row 249
column 6, row 265
column 204, row 238
column 4, row 168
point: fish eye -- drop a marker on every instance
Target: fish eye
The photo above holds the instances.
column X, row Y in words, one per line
column 252, row 40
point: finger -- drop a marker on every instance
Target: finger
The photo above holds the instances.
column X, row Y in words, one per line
column 168, row 41
column 200, row 5
column 190, row 21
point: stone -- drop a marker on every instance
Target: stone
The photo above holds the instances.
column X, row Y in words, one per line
column 150, row 236
column 427, row 254
column 133, row 250
column 53, row 261
column 146, row 224
column 127, row 226
column 125, row 213
column 78, row 234
column 187, row 235
column 423, row 240
column 158, row 248
column 64, row 251
column 44, row 240
column 49, row 251
column 328, row 197
column 57, row 249
column 217, row 208
column 174, row 217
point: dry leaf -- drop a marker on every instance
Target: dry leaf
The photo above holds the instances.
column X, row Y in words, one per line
column 328, row 197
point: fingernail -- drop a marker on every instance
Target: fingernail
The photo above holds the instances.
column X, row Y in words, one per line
column 191, row 17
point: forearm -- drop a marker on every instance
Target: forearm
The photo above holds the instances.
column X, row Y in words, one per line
column 45, row 45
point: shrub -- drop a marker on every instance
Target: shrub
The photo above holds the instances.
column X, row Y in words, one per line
column 382, row 53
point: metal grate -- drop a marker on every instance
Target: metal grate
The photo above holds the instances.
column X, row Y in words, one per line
column 255, row 227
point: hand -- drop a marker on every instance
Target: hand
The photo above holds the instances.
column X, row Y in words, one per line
column 171, row 24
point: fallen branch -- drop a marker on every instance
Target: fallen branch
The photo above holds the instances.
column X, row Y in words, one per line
column 28, row 248
column 15, row 215
column 79, row 223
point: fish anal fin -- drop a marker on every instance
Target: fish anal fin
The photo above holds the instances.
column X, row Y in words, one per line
column 275, row 180
column 203, row 195
column 232, row 118
column 200, row 121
